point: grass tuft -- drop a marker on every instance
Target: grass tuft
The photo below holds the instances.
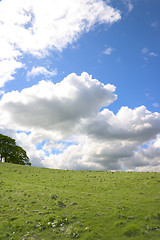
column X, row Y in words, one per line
column 131, row 231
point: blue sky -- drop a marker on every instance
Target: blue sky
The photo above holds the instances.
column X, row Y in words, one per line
column 79, row 79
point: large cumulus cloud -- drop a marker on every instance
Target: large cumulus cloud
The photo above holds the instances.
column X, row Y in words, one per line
column 127, row 140
column 135, row 125
column 61, row 126
column 59, row 107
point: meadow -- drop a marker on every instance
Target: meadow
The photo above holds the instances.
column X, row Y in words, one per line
column 38, row 203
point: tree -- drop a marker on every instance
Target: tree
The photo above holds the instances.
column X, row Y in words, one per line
column 10, row 152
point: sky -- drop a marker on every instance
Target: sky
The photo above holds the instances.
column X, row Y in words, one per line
column 79, row 82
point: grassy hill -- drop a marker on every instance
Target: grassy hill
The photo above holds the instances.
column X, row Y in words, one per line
column 38, row 203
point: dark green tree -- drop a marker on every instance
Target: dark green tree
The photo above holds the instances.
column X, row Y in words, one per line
column 10, row 152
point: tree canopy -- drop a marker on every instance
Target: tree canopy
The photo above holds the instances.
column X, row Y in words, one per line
column 12, row 153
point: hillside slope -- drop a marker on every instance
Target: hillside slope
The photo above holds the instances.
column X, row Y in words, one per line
column 38, row 204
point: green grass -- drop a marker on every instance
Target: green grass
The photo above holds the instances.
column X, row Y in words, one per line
column 38, row 203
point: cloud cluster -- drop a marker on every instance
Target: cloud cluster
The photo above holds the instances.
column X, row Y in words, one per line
column 59, row 107
column 65, row 119
column 108, row 51
column 41, row 71
column 147, row 158
column 128, row 4
column 67, row 125
column 38, row 26
column 114, row 142
column 148, row 54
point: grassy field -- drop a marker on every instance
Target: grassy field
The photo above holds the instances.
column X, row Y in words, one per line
column 38, row 203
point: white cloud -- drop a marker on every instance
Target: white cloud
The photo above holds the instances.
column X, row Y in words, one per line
column 56, row 107
column 2, row 92
column 144, row 50
column 152, row 54
column 130, row 7
column 91, row 154
column 8, row 51
column 128, row 4
column 38, row 26
column 156, row 105
column 155, row 24
column 41, row 71
column 68, row 112
column 137, row 125
column 147, row 158
column 148, row 54
column 8, row 68
column 51, row 146
column 108, row 51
